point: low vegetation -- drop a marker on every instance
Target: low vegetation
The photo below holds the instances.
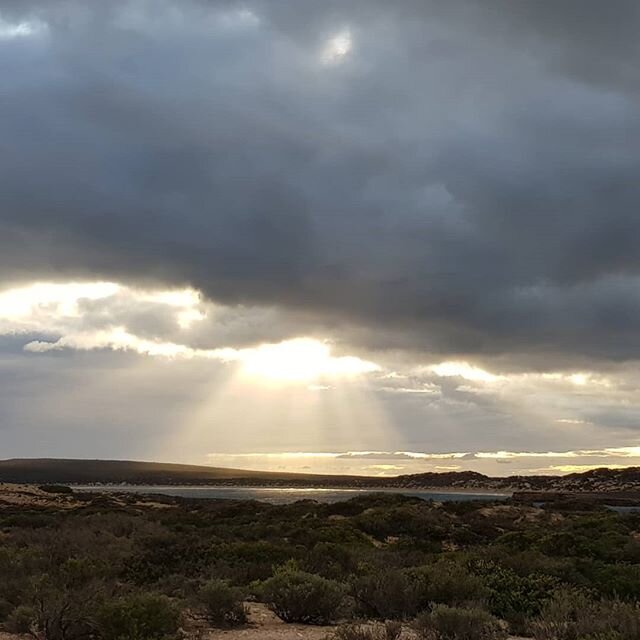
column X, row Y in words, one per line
column 220, row 604
column 139, row 616
column 298, row 596
column 116, row 567
column 390, row 630
column 455, row 623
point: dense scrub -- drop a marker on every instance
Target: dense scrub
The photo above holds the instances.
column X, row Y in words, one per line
column 117, row 568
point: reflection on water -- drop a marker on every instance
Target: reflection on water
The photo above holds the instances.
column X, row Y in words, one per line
column 284, row 495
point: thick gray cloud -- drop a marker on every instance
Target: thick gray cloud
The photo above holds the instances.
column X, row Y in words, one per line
column 463, row 180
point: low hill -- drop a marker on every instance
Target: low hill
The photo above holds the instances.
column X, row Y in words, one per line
column 50, row 470
column 71, row 471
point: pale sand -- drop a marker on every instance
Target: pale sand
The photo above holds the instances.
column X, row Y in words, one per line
column 25, row 495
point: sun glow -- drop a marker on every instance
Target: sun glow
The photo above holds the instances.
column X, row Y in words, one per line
column 337, row 48
column 60, row 299
column 463, row 370
column 301, row 359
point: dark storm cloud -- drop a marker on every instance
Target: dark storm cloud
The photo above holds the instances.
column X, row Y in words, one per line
column 463, row 181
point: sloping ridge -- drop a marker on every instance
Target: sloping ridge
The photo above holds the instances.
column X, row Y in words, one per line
column 74, row 471
column 47, row 470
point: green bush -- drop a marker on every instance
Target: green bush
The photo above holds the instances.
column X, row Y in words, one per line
column 571, row 615
column 63, row 602
column 390, row 630
column 386, row 594
column 451, row 623
column 609, row 580
column 221, row 604
column 297, row 596
column 513, row 597
column 401, row 594
column 140, row 616
column 55, row 488
column 447, row 583
column 331, row 560
column 21, row 619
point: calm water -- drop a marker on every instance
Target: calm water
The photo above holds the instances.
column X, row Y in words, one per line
column 284, row 495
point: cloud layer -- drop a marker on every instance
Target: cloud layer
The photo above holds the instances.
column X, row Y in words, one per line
column 457, row 179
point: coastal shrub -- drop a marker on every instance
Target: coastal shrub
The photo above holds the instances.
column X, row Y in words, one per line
column 63, row 601
column 447, row 583
column 354, row 632
column 28, row 520
column 453, row 623
column 517, row 540
column 515, row 598
column 298, row 596
column 21, row 619
column 390, row 630
column 16, row 566
column 330, row 560
column 221, row 604
column 5, row 608
column 139, row 616
column 401, row 594
column 55, row 488
column 242, row 562
column 178, row 586
column 166, row 552
column 608, row 580
column 522, row 563
column 414, row 519
column 386, row 594
column 565, row 544
column 571, row 615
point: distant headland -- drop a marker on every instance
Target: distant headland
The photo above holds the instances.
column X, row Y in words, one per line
column 74, row 471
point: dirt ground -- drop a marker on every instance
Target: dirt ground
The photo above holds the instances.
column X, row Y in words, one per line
column 264, row 625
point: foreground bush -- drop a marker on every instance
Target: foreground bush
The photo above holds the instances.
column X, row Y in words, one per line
column 390, row 630
column 401, row 594
column 144, row 616
column 451, row 623
column 21, row 620
column 571, row 615
column 447, row 583
column 60, row 605
column 513, row 597
column 297, row 596
column 386, row 594
column 221, row 604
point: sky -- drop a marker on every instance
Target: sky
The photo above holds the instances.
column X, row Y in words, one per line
column 348, row 236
